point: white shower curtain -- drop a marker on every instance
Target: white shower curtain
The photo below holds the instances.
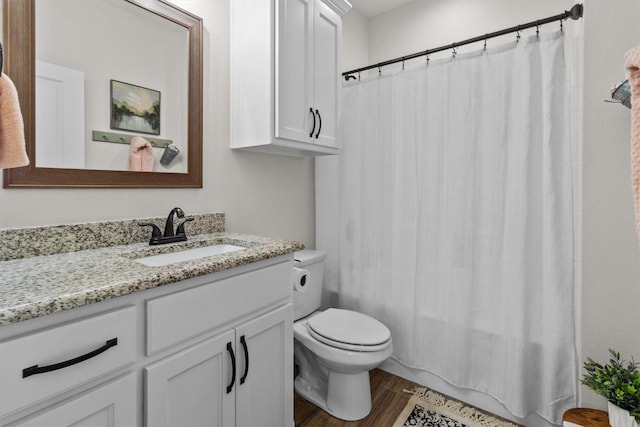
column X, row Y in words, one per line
column 448, row 216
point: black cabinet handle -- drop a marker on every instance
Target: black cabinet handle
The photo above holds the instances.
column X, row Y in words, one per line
column 320, row 123
column 233, row 367
column 243, row 341
column 35, row 369
column 314, row 122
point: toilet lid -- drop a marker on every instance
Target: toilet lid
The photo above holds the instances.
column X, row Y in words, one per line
column 349, row 329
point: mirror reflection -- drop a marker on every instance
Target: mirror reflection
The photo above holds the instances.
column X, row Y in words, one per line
column 111, row 87
column 19, row 37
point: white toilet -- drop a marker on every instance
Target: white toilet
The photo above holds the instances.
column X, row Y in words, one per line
column 334, row 349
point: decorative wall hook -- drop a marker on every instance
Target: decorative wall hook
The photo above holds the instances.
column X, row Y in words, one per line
column 120, row 138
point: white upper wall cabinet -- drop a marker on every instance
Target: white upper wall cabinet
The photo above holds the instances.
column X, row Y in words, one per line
column 285, row 75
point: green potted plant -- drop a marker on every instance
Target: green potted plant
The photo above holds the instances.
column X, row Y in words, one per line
column 619, row 382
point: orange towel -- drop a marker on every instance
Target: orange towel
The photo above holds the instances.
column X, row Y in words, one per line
column 13, row 153
column 140, row 155
column 633, row 65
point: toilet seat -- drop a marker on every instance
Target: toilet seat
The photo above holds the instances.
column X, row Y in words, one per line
column 349, row 330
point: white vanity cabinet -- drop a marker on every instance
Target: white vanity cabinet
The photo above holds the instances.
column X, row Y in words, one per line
column 239, row 372
column 113, row 404
column 264, row 386
column 242, row 377
column 187, row 388
column 286, row 75
column 214, row 350
column 45, row 369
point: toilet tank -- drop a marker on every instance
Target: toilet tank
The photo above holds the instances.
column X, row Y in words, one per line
column 307, row 289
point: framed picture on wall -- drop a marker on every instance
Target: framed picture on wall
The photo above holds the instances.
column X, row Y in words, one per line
column 135, row 108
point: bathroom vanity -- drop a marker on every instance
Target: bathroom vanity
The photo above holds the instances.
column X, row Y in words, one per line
column 97, row 338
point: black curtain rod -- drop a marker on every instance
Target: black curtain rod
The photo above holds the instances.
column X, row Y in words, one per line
column 575, row 13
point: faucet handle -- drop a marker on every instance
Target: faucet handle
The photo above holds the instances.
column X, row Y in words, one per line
column 156, row 234
column 180, row 229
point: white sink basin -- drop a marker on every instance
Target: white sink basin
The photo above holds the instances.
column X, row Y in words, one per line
column 187, row 255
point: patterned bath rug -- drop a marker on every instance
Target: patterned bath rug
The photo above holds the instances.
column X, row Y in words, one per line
column 427, row 408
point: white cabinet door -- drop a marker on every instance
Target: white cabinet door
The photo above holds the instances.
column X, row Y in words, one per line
column 194, row 387
column 294, row 90
column 111, row 405
column 285, row 75
column 264, row 395
column 309, row 72
column 326, row 79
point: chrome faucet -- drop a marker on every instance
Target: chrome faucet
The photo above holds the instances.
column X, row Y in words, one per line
column 169, row 236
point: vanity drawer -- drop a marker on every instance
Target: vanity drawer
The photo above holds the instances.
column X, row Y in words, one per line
column 183, row 315
column 44, row 363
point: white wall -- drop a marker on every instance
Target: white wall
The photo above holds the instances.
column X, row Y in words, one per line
column 261, row 194
column 355, row 41
column 609, row 269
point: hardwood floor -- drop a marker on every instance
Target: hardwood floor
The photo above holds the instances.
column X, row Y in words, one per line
column 387, row 401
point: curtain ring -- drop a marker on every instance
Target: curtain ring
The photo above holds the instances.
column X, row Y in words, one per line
column 485, row 43
column 454, row 53
column 538, row 31
column 358, row 75
column 403, row 65
column 518, row 34
column 379, row 72
column 561, row 26
column 427, row 59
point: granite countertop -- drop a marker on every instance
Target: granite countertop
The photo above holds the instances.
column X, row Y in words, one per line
column 39, row 285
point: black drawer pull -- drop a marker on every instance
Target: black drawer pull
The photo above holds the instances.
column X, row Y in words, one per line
column 35, row 369
column 314, row 122
column 243, row 341
column 320, row 123
column 233, row 367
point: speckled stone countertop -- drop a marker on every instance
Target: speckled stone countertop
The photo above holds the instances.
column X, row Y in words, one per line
column 37, row 285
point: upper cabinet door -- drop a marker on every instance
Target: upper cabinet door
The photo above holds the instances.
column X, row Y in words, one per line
column 327, row 47
column 309, row 72
column 285, row 75
column 294, row 93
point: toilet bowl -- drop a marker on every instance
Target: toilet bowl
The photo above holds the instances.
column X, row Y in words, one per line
column 334, row 349
column 334, row 371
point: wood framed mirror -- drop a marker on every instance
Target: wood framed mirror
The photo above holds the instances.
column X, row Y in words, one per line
column 18, row 26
